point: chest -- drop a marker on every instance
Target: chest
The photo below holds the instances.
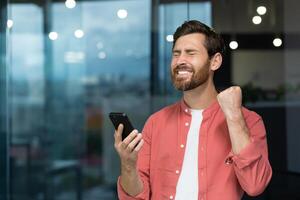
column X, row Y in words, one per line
column 170, row 141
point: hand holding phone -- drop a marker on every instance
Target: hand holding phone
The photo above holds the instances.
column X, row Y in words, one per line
column 118, row 118
column 128, row 150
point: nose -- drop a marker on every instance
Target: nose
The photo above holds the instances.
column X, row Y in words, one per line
column 181, row 60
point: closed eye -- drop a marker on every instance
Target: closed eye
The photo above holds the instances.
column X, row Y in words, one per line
column 191, row 52
column 176, row 53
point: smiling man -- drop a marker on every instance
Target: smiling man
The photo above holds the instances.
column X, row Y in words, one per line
column 206, row 146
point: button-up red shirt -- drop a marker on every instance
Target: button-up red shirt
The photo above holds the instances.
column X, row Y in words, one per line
column 221, row 174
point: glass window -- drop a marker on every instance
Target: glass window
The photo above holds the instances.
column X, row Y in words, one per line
column 69, row 69
column 171, row 16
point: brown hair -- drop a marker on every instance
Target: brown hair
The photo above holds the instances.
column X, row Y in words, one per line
column 213, row 42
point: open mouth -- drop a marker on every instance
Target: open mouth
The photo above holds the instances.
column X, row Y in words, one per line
column 183, row 73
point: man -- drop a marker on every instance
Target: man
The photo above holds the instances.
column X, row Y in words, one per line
column 207, row 146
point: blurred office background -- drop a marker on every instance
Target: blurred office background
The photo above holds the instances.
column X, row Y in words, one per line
column 65, row 65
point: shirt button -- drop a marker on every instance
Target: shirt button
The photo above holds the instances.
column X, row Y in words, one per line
column 186, row 110
column 202, row 173
column 182, row 146
column 202, row 148
column 171, row 197
column 228, row 161
column 186, row 123
column 177, row 171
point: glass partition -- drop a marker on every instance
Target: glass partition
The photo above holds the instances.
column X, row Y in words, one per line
column 71, row 64
column 4, row 114
column 70, row 67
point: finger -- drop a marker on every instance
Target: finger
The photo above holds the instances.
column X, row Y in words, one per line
column 134, row 142
column 139, row 146
column 130, row 137
column 118, row 134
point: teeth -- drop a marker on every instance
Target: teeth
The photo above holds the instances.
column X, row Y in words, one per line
column 183, row 72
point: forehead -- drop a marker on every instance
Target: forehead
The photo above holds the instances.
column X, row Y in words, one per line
column 194, row 40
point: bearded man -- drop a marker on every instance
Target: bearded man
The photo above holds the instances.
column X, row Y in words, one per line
column 207, row 145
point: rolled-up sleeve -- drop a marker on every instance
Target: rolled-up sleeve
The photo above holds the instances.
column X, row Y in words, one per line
column 251, row 165
column 124, row 196
column 143, row 165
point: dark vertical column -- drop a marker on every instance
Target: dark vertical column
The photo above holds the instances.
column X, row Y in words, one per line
column 48, row 75
column 46, row 8
column 4, row 160
column 154, row 82
column 47, row 65
column 222, row 77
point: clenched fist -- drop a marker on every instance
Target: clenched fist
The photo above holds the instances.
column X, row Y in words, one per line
column 230, row 101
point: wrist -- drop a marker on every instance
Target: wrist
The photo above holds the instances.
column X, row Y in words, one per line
column 128, row 169
column 234, row 116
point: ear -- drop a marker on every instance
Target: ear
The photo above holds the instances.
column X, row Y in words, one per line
column 216, row 61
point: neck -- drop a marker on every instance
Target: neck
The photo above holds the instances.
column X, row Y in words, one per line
column 202, row 96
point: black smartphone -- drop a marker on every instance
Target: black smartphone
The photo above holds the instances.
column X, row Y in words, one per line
column 121, row 118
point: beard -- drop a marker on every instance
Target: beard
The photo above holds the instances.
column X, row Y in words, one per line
column 198, row 77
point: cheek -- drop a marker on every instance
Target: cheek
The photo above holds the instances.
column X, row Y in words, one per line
column 173, row 64
column 196, row 61
column 191, row 61
column 173, row 61
column 199, row 64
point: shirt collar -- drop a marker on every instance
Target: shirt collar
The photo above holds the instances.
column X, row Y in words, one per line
column 207, row 111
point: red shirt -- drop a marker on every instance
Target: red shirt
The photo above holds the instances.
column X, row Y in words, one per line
column 222, row 175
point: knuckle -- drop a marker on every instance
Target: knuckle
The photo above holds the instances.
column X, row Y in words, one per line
column 237, row 88
column 130, row 146
column 133, row 134
column 123, row 145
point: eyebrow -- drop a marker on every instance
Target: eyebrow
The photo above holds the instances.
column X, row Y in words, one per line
column 190, row 50
column 176, row 51
column 186, row 50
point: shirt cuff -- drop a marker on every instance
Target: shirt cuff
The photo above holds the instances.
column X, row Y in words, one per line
column 124, row 196
column 246, row 156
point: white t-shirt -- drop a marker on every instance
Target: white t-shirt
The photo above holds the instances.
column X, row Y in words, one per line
column 187, row 186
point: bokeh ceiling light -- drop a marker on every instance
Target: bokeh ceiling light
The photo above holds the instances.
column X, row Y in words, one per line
column 277, row 42
column 233, row 45
column 70, row 4
column 261, row 10
column 122, row 13
column 10, row 23
column 169, row 38
column 79, row 33
column 53, row 35
column 256, row 20
column 102, row 55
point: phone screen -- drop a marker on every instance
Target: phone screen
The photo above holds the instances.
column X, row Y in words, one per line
column 121, row 118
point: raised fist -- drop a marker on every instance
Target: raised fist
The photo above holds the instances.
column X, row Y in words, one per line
column 230, row 101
